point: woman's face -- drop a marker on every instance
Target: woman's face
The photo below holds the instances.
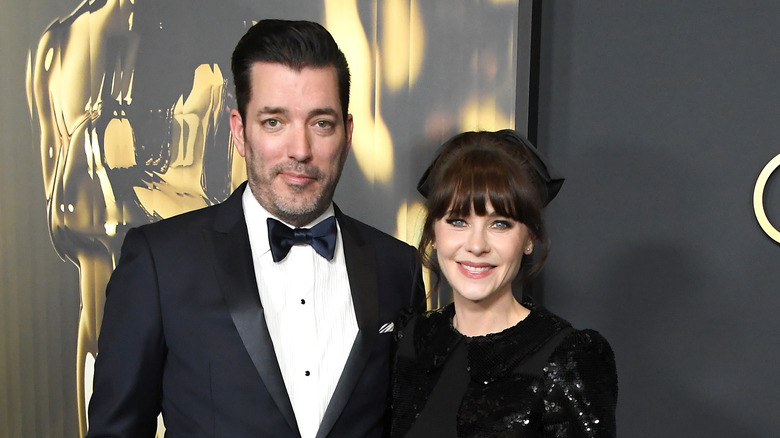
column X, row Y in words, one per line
column 481, row 255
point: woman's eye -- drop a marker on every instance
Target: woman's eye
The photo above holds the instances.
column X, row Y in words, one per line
column 455, row 222
column 502, row 224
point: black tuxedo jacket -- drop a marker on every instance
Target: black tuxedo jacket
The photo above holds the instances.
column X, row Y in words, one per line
column 184, row 333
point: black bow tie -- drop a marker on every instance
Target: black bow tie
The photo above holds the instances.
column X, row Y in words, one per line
column 321, row 237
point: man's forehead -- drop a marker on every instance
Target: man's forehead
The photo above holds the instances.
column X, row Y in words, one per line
column 276, row 85
column 258, row 67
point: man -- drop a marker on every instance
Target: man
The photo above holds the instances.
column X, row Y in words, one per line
column 233, row 324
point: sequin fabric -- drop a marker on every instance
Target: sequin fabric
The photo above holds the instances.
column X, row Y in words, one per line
column 524, row 381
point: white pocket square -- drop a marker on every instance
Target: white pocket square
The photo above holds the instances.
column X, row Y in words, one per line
column 387, row 327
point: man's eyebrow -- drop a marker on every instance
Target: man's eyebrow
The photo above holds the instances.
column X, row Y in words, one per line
column 281, row 110
column 327, row 111
column 272, row 110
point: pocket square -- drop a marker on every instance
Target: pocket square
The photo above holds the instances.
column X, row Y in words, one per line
column 387, row 327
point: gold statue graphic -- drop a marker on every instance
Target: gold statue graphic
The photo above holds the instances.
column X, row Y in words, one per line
column 115, row 156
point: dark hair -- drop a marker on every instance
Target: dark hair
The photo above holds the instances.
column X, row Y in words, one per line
column 296, row 44
column 477, row 168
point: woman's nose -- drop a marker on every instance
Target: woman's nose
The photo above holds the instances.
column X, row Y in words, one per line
column 477, row 243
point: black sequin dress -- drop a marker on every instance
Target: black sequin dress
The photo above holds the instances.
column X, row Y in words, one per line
column 540, row 378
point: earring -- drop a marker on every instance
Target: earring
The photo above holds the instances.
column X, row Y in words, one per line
column 433, row 245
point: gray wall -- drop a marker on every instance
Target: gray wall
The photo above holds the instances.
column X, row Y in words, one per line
column 662, row 114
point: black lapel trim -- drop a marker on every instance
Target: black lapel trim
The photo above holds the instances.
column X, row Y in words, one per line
column 361, row 270
column 232, row 259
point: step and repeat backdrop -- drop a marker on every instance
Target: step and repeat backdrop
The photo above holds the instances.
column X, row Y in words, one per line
column 114, row 114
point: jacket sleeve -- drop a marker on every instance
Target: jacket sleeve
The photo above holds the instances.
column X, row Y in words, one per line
column 127, row 384
column 580, row 388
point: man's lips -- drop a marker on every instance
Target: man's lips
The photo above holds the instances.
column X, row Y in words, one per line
column 475, row 270
column 298, row 179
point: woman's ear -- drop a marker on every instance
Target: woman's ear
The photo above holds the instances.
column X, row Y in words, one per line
column 529, row 246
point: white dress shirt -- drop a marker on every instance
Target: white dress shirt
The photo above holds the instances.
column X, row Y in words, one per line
column 309, row 312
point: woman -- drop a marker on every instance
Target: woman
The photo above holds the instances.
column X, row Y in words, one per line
column 488, row 365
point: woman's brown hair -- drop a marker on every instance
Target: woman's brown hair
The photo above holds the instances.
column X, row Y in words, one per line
column 477, row 168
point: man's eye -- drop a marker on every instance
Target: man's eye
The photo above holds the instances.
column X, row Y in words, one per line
column 324, row 124
column 271, row 123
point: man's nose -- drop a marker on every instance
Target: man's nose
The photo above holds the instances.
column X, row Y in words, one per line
column 299, row 146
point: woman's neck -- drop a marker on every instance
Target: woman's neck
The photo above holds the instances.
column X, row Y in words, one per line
column 480, row 318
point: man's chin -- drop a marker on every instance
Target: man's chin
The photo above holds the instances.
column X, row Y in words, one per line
column 307, row 208
column 295, row 204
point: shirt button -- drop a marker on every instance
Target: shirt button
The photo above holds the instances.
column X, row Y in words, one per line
column 307, row 373
column 303, row 301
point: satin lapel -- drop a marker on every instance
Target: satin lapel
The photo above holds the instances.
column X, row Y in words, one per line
column 361, row 270
column 232, row 258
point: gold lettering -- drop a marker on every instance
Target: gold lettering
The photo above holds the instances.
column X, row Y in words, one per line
column 758, row 199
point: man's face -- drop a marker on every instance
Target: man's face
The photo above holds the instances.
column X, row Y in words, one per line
column 294, row 139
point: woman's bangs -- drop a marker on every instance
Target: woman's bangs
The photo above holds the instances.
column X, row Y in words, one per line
column 477, row 186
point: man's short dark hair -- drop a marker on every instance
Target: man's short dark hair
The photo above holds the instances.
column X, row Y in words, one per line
column 295, row 44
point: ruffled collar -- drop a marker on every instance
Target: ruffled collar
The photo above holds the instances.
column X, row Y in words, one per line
column 491, row 356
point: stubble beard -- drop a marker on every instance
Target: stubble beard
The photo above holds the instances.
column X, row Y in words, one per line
column 295, row 206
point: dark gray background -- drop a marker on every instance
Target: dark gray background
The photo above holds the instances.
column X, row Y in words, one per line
column 661, row 114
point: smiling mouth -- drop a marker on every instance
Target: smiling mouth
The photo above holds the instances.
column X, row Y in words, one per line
column 478, row 271
column 476, row 268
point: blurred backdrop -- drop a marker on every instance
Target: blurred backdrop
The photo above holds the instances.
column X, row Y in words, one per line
column 115, row 114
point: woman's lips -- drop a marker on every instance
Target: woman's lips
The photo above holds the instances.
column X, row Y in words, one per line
column 475, row 270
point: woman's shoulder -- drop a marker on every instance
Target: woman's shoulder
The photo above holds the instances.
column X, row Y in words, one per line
column 575, row 341
column 584, row 360
column 585, row 344
column 582, row 351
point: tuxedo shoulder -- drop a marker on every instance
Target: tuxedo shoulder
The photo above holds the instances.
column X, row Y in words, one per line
column 180, row 225
column 370, row 233
column 183, row 219
column 223, row 214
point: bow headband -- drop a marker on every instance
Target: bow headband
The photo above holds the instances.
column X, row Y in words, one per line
column 550, row 178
